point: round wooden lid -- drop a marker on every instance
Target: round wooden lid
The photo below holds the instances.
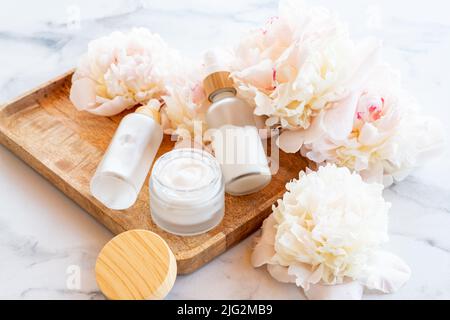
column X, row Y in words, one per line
column 136, row 265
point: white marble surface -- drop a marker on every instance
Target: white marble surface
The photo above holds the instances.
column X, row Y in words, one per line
column 42, row 233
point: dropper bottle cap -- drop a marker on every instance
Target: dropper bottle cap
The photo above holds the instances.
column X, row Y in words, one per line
column 217, row 77
column 151, row 109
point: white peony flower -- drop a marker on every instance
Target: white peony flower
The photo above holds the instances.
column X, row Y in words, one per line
column 183, row 114
column 325, row 236
column 300, row 63
column 377, row 131
column 122, row 70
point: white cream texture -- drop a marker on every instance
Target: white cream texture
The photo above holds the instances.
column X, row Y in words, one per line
column 186, row 174
column 187, row 192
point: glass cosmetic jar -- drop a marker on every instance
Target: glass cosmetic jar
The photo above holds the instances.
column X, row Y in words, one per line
column 187, row 193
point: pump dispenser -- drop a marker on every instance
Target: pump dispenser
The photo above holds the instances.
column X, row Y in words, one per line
column 235, row 139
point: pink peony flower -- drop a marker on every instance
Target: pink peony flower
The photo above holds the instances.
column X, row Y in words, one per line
column 377, row 131
column 298, row 65
column 122, row 70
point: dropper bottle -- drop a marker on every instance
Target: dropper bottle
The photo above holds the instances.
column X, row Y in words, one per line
column 235, row 139
column 121, row 173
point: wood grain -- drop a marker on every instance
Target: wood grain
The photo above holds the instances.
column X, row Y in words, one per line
column 64, row 145
column 216, row 81
column 136, row 265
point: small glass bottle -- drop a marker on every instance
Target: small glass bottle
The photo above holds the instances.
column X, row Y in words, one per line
column 121, row 173
column 187, row 195
column 235, row 139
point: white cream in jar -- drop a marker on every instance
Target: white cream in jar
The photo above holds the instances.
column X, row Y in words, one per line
column 187, row 192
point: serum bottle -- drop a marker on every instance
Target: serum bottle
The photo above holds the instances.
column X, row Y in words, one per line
column 235, row 138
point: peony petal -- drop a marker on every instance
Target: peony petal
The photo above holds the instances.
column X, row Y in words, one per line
column 369, row 135
column 262, row 254
column 351, row 290
column 269, row 230
column 198, row 94
column 258, row 75
column 112, row 107
column 386, row 272
column 317, row 157
column 388, row 180
column 338, row 121
column 369, row 50
column 280, row 273
column 302, row 273
column 82, row 93
column 263, row 105
column 373, row 174
column 317, row 275
column 264, row 249
column 165, row 120
column 291, row 141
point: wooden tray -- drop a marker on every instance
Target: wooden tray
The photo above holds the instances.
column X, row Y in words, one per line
column 64, row 145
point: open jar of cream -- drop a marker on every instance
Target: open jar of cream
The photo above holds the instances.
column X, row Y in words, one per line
column 187, row 193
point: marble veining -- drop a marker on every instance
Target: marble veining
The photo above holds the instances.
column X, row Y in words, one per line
column 48, row 244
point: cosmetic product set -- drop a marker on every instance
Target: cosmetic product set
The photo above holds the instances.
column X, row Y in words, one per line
column 301, row 83
column 186, row 186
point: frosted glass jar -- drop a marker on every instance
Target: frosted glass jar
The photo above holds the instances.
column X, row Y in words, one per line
column 187, row 194
column 127, row 161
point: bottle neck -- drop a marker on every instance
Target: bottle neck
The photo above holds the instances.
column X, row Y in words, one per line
column 222, row 94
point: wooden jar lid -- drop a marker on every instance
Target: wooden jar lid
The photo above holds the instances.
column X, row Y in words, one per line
column 136, row 265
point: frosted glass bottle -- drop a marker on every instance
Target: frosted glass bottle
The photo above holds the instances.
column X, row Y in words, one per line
column 121, row 173
column 235, row 139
